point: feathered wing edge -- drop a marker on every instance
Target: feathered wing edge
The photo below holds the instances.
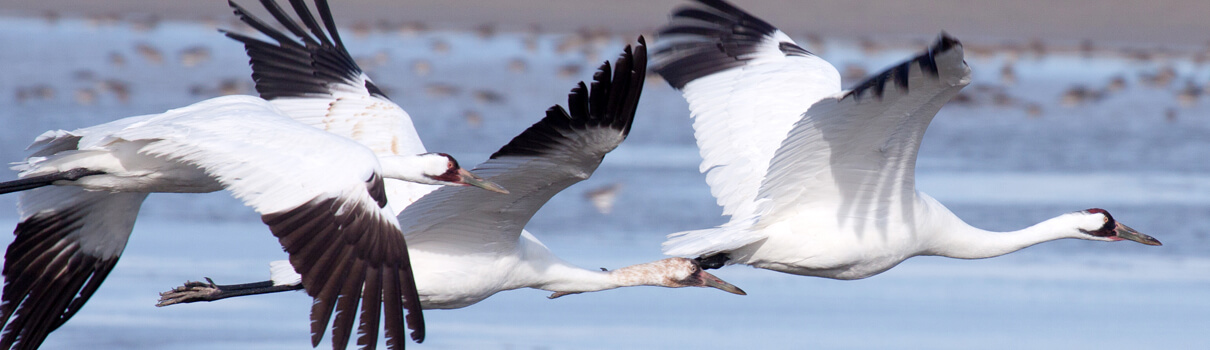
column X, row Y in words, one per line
column 746, row 83
column 563, row 148
column 60, row 257
column 293, row 69
column 715, row 36
column 607, row 103
column 359, row 256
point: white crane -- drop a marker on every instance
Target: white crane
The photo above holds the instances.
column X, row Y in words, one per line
column 321, row 194
column 317, row 82
column 818, row 181
column 461, row 259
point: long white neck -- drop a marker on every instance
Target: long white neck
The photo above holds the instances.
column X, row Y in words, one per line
column 956, row 239
column 539, row 268
column 567, row 279
column 549, row 272
column 413, row 168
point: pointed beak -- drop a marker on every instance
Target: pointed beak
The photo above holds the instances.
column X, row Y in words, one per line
column 474, row 180
column 1127, row 233
column 709, row 280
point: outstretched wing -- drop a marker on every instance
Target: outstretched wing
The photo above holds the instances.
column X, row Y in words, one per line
column 778, row 136
column 314, row 80
column 562, row 149
column 859, row 149
column 746, row 83
column 320, row 194
column 67, row 242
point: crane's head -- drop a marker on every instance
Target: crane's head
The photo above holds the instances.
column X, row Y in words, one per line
column 1102, row 227
column 683, row 272
column 438, row 169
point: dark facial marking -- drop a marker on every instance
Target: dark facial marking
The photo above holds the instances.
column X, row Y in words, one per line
column 694, row 278
column 1106, row 230
column 451, row 174
column 453, row 164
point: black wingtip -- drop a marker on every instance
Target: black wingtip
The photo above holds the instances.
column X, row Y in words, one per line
column 898, row 74
column 612, row 102
column 945, row 42
column 303, row 65
column 746, row 18
column 48, row 278
column 711, row 36
column 638, row 70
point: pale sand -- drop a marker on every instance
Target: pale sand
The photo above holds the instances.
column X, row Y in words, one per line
column 1153, row 22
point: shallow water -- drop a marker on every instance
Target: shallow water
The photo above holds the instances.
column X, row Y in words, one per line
column 1137, row 152
column 1097, row 297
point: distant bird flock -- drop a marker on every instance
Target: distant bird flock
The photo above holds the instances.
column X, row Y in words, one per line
column 816, row 180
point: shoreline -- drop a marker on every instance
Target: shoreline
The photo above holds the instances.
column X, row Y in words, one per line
column 1165, row 23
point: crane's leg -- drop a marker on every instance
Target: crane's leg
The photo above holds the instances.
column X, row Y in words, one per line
column 208, row 291
column 33, row 182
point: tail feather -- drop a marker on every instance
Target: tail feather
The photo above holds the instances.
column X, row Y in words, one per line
column 710, row 241
column 33, row 182
column 282, row 273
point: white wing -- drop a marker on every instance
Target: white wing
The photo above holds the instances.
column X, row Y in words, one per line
column 318, row 83
column 67, row 240
column 853, row 153
column 560, row 150
column 746, row 83
column 857, row 151
column 320, row 194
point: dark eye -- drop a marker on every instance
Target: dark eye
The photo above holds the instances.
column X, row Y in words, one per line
column 453, row 163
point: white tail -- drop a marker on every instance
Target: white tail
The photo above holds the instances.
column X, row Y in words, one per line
column 283, row 274
column 729, row 236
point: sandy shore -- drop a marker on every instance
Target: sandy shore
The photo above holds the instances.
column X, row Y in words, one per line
column 1146, row 23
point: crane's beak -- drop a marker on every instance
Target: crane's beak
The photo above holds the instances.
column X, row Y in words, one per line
column 709, row 280
column 1127, row 233
column 474, row 180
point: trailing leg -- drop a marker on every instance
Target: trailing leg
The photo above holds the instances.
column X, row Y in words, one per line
column 33, row 182
column 208, row 291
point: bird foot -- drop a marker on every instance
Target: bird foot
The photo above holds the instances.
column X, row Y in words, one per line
column 190, row 292
column 208, row 291
column 559, row 294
